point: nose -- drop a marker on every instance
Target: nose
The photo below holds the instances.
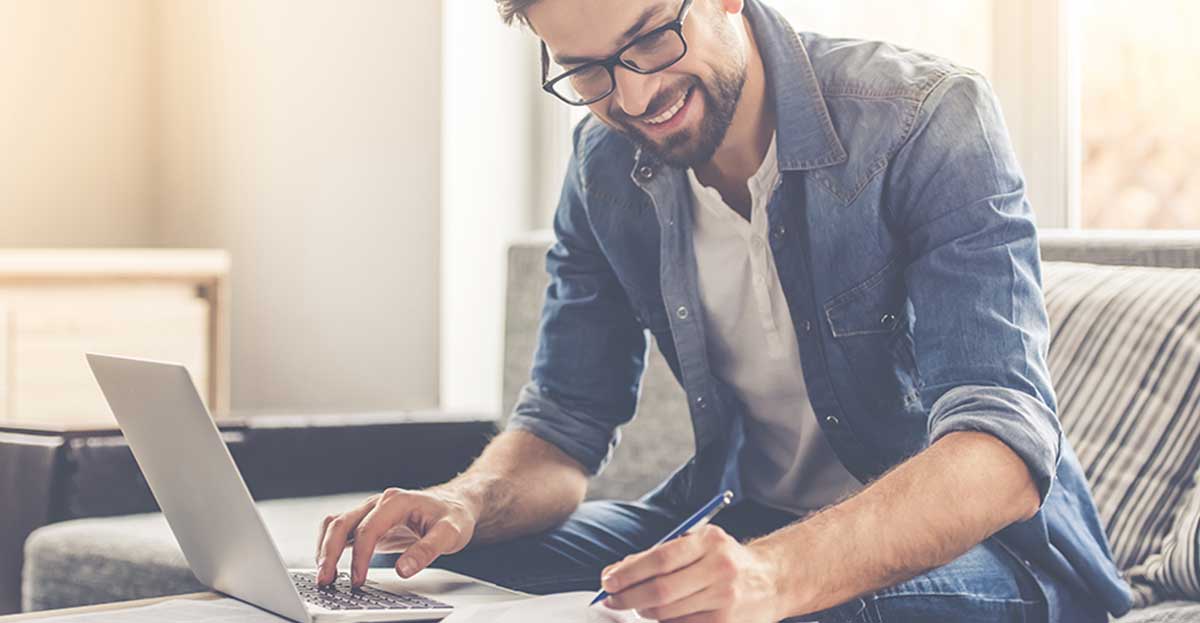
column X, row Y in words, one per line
column 634, row 91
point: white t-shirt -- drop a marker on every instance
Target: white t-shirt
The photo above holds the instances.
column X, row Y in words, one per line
column 786, row 463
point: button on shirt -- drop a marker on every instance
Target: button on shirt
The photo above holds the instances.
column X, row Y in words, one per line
column 786, row 462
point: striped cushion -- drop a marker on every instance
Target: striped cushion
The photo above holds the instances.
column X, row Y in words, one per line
column 1125, row 358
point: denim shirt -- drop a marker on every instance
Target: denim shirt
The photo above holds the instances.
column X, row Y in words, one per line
column 909, row 260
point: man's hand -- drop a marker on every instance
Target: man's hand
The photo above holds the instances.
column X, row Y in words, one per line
column 422, row 524
column 704, row 577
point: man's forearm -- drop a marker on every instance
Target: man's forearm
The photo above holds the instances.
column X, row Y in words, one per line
column 519, row 485
column 920, row 516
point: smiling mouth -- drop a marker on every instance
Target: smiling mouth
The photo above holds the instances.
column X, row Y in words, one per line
column 671, row 111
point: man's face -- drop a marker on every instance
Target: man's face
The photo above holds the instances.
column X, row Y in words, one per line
column 680, row 114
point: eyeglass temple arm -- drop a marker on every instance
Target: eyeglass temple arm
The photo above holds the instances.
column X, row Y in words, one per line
column 545, row 60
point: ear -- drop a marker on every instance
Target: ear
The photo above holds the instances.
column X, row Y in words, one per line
column 733, row 7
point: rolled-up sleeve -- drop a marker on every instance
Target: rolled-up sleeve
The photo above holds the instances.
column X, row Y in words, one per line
column 1023, row 422
column 591, row 349
column 981, row 330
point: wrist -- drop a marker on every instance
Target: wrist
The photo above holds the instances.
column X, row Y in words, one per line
column 794, row 589
column 467, row 498
column 781, row 584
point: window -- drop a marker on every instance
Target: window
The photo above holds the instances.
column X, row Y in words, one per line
column 1139, row 128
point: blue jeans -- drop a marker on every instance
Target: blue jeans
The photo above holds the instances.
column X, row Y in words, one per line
column 985, row 585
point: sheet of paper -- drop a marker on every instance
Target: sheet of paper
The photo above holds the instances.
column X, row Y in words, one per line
column 177, row 611
column 560, row 608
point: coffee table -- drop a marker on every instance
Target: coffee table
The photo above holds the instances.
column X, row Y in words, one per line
column 117, row 606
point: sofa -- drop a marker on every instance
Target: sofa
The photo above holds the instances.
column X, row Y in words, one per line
column 1125, row 357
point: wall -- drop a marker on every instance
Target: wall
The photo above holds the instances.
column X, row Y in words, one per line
column 74, row 100
column 305, row 138
column 491, row 85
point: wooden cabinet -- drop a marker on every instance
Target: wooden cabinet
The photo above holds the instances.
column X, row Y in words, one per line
column 55, row 305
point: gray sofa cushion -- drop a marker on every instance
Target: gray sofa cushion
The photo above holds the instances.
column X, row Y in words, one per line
column 1166, row 612
column 1175, row 570
column 89, row 561
column 1125, row 358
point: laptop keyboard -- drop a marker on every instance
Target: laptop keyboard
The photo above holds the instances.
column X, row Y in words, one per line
column 339, row 595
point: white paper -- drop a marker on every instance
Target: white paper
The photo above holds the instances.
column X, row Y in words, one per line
column 177, row 611
column 560, row 608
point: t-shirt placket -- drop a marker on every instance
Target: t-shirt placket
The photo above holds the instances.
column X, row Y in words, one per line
column 760, row 268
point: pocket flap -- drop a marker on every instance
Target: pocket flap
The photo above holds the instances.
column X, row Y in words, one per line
column 876, row 305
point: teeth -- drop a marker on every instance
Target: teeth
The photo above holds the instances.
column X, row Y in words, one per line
column 670, row 112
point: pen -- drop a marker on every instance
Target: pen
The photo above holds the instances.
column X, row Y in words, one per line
column 699, row 518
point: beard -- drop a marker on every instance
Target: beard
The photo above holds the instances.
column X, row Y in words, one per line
column 689, row 147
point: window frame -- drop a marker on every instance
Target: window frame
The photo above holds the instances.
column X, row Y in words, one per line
column 1041, row 101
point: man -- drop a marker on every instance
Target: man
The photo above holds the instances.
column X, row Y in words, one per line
column 831, row 244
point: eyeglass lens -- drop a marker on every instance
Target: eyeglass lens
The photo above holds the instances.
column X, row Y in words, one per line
column 654, row 52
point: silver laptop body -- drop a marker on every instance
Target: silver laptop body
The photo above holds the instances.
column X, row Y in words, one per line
column 208, row 507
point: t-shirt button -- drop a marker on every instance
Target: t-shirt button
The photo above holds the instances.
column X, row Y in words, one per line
column 833, row 421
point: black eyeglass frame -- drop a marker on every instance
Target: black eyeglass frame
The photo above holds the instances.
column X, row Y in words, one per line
column 611, row 62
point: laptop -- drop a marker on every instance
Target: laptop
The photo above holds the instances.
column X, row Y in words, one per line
column 209, row 509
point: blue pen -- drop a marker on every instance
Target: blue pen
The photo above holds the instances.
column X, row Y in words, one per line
column 701, row 517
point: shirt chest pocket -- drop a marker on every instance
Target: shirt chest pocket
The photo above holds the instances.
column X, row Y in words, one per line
column 872, row 325
column 873, row 307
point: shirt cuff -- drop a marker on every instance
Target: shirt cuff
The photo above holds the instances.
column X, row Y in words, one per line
column 578, row 435
column 1021, row 421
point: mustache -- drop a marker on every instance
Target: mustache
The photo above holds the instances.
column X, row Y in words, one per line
column 659, row 103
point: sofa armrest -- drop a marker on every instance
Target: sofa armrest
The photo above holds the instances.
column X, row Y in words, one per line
column 27, row 465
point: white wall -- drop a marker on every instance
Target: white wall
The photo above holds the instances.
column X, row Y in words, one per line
column 488, row 191
column 305, row 138
column 74, row 100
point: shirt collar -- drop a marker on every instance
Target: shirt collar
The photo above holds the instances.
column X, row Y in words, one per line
column 804, row 129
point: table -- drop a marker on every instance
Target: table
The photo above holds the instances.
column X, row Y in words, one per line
column 120, row 605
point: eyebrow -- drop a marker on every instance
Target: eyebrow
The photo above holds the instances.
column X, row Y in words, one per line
column 629, row 34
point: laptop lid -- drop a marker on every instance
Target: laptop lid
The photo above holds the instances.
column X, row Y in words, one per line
column 196, row 483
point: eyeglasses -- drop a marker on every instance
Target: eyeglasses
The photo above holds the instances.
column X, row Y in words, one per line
column 646, row 54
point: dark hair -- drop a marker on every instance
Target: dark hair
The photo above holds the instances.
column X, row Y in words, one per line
column 513, row 10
